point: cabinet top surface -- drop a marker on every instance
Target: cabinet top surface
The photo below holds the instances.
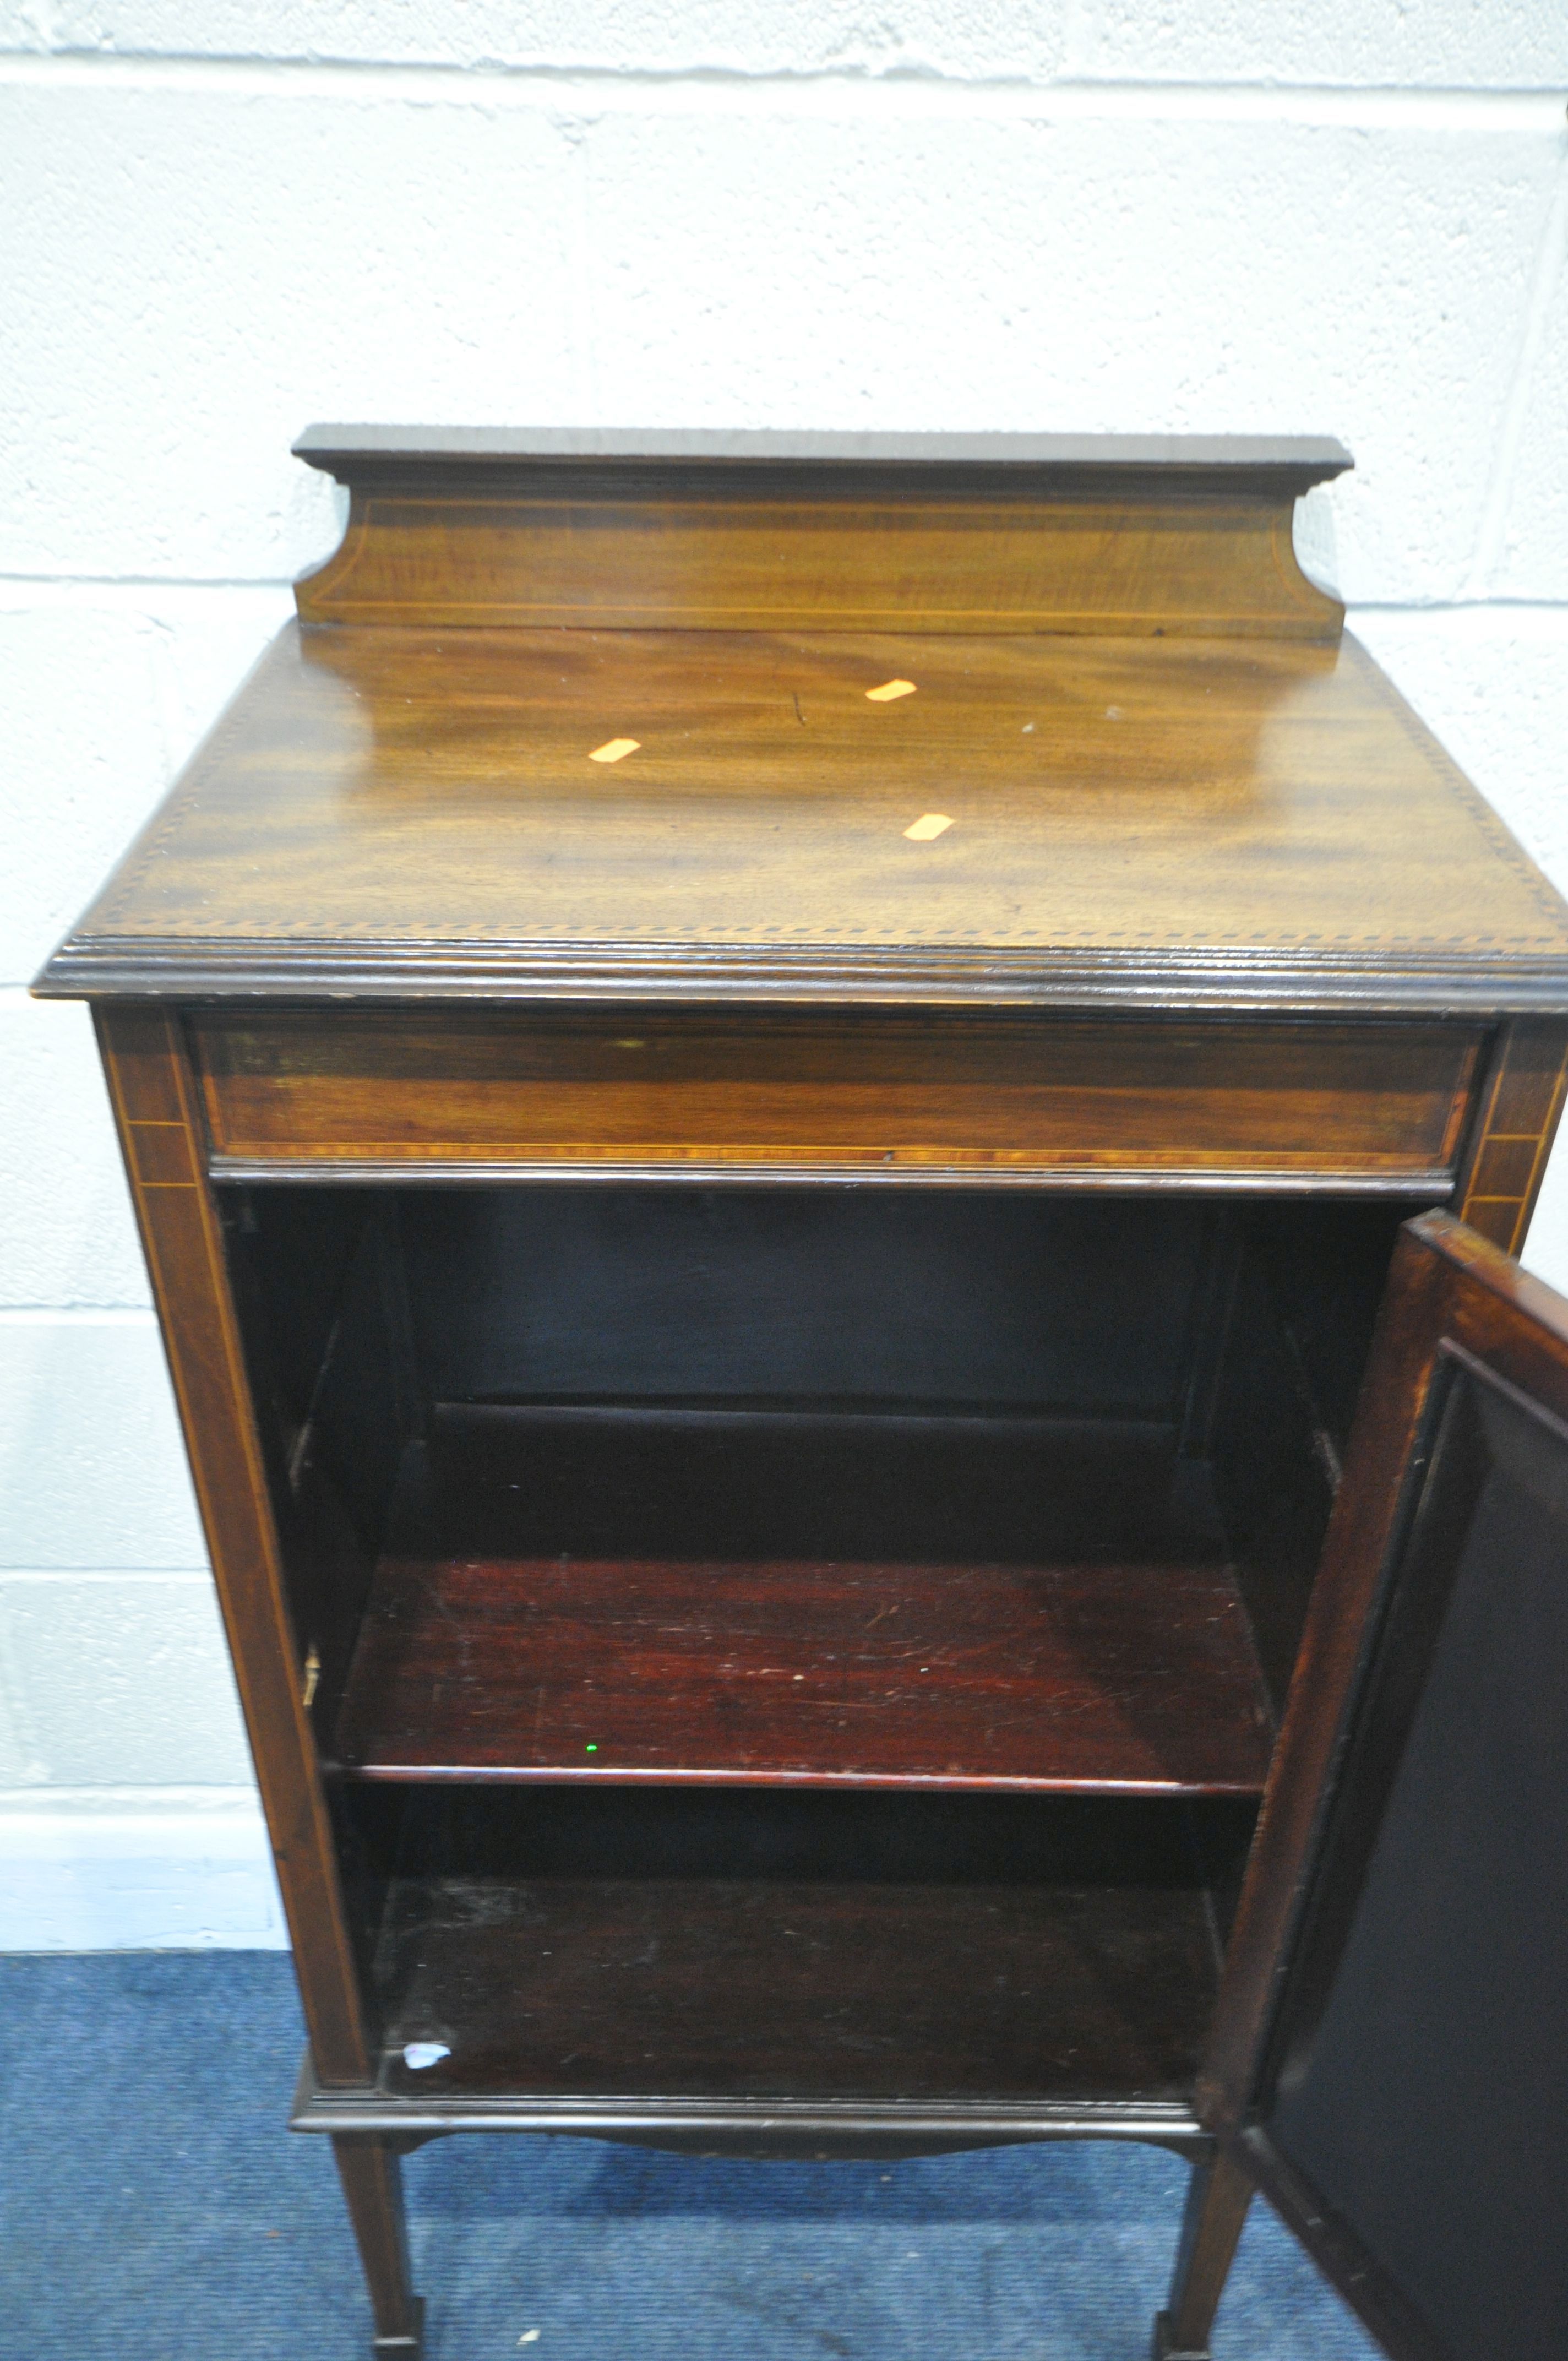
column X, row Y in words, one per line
column 419, row 811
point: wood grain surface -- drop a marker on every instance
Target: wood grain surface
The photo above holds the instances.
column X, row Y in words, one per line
column 1133, row 821
column 938, row 1951
column 811, row 810
column 771, row 531
column 1103, row 1677
column 615, row 1594
column 181, row 1230
column 692, row 1987
column 651, row 1089
column 1521, row 1102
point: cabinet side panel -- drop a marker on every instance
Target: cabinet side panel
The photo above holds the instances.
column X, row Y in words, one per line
column 1521, row 1101
column 155, row 1109
column 1273, row 1490
column 309, row 1273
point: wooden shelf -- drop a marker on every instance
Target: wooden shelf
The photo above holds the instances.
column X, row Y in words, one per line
column 834, row 1946
column 1085, row 1640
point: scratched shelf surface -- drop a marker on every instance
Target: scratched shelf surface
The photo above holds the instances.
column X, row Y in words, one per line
column 798, row 1598
column 729, row 1945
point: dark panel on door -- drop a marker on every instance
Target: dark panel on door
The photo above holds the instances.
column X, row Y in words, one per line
column 1416, row 2090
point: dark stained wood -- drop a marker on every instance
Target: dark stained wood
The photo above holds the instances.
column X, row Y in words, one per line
column 1217, row 2201
column 372, row 2188
column 1341, row 1600
column 1198, row 914
column 1449, row 1282
column 952, row 1952
column 824, row 2131
column 335, row 1402
column 1138, row 824
column 767, row 532
column 717, row 456
column 838, row 1299
column 736, row 1989
column 656, row 1091
column 1095, row 1672
column 1111, row 1678
column 1389, row 2075
column 1301, row 1290
column 153, row 1095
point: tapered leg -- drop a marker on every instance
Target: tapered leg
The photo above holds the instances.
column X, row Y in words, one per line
column 1217, row 2200
column 373, row 2184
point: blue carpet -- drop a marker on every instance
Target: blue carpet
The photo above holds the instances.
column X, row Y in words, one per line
column 151, row 2203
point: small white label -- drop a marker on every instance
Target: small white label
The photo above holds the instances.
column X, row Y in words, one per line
column 418, row 2055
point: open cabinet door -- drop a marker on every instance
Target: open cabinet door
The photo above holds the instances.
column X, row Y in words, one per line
column 1390, row 2064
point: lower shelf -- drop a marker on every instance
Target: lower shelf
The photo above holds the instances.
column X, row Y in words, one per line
column 686, row 1947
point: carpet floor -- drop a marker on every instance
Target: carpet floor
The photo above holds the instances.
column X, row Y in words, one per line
column 151, row 2203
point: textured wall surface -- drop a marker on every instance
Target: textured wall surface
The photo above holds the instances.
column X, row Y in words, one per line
column 1046, row 214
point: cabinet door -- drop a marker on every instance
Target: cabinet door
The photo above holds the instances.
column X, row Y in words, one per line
column 1390, row 2061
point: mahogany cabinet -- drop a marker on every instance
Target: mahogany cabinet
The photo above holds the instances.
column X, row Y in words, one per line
column 798, row 1105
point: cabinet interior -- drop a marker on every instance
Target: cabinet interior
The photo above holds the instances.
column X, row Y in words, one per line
column 715, row 1599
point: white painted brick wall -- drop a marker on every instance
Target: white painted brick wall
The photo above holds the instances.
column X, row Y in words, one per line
column 1116, row 213
column 1416, row 44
